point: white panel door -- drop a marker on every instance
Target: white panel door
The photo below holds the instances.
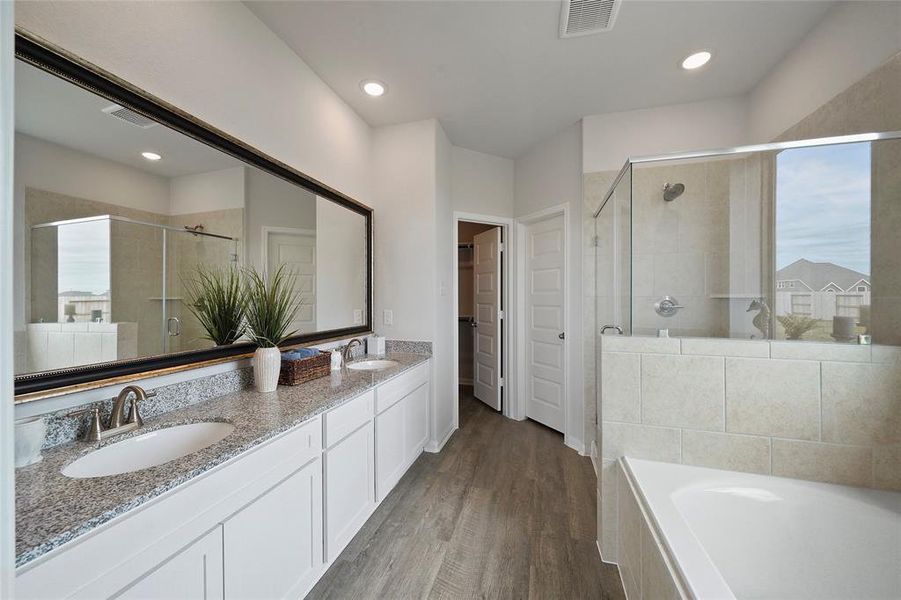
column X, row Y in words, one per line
column 273, row 546
column 486, row 260
column 193, row 573
column 298, row 251
column 545, row 318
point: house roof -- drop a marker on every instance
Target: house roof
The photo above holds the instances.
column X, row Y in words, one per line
column 817, row 275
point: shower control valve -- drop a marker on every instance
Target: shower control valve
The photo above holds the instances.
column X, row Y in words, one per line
column 667, row 306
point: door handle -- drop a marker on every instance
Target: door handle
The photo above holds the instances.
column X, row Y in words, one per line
column 562, row 335
column 173, row 332
column 618, row 329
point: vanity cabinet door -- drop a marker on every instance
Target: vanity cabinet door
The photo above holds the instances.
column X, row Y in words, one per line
column 195, row 572
column 349, row 488
column 273, row 546
column 416, row 426
column 390, row 448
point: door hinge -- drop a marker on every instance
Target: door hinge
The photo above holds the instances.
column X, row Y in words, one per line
column 500, row 315
column 501, row 246
column 500, row 382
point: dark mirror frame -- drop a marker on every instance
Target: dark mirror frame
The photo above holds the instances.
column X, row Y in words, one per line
column 58, row 62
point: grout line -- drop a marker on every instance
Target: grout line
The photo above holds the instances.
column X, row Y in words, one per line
column 820, row 398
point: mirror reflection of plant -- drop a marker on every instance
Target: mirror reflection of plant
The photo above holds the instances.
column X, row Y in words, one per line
column 216, row 299
column 796, row 325
column 270, row 304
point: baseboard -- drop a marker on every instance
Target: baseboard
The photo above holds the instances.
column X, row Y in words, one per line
column 575, row 444
column 435, row 447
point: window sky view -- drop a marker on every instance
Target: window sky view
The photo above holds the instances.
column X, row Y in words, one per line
column 823, row 205
column 83, row 255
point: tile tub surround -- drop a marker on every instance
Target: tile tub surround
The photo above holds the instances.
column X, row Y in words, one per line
column 814, row 411
column 52, row 509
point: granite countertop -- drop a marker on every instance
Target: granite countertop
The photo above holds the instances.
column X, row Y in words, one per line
column 52, row 509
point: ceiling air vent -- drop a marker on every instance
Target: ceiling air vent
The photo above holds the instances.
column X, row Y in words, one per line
column 584, row 17
column 130, row 116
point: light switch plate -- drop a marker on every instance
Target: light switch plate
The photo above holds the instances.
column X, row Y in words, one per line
column 388, row 317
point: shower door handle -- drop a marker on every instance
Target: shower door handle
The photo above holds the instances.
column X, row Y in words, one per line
column 619, row 330
column 177, row 330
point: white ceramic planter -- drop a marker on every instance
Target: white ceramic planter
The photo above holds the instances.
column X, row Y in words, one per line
column 267, row 362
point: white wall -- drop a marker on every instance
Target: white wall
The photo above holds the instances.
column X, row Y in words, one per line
column 481, row 183
column 549, row 175
column 54, row 168
column 340, row 265
column 7, row 476
column 853, row 39
column 444, row 394
column 609, row 139
column 403, row 162
column 217, row 61
column 205, row 192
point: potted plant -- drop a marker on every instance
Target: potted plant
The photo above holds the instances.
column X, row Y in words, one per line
column 796, row 325
column 215, row 298
column 269, row 308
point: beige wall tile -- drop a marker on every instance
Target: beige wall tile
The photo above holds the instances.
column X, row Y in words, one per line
column 861, row 403
column 620, row 377
column 682, row 391
column 656, row 581
column 816, row 461
column 733, row 452
column 715, row 347
column 773, row 397
column 642, row 344
column 641, row 441
column 887, row 467
column 820, row 351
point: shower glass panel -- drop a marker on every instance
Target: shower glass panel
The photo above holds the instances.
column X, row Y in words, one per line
column 794, row 241
column 187, row 250
column 107, row 288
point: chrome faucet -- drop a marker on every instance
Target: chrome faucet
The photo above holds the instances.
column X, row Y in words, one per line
column 119, row 423
column 346, row 352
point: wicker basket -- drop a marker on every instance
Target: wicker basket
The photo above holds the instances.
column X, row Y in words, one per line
column 295, row 372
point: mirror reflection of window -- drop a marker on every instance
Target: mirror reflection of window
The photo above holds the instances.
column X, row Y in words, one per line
column 823, row 242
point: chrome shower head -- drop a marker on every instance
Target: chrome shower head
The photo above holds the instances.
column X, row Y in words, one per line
column 671, row 191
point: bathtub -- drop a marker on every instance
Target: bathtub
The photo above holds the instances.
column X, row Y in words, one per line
column 722, row 534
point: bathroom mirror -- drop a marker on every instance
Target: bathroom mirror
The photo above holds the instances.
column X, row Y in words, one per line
column 121, row 200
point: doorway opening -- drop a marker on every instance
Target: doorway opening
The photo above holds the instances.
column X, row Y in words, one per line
column 481, row 328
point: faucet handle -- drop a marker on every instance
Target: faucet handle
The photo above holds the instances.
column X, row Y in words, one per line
column 133, row 415
column 93, row 433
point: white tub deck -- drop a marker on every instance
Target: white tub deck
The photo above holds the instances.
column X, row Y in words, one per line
column 737, row 535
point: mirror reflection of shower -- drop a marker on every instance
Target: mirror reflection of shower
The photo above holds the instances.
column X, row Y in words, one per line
column 671, row 191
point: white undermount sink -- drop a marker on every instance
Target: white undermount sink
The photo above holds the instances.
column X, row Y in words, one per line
column 372, row 365
column 147, row 450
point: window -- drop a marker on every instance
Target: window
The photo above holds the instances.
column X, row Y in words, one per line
column 861, row 288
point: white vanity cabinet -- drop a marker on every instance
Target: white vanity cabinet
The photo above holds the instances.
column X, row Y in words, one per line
column 265, row 524
column 195, row 572
column 401, row 426
column 349, row 472
column 274, row 545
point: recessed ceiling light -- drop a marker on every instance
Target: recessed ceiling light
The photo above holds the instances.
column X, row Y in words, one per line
column 373, row 87
column 151, row 155
column 696, row 60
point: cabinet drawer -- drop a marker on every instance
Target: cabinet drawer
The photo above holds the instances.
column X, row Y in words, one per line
column 345, row 419
column 394, row 389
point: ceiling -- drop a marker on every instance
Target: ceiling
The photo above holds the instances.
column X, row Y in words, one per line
column 54, row 110
column 498, row 77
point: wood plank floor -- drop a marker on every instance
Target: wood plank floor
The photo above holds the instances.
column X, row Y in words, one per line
column 504, row 511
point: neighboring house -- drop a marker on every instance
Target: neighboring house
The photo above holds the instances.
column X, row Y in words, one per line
column 807, row 276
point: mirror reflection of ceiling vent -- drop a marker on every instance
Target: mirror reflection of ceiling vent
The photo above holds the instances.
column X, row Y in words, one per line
column 129, row 116
column 584, row 17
